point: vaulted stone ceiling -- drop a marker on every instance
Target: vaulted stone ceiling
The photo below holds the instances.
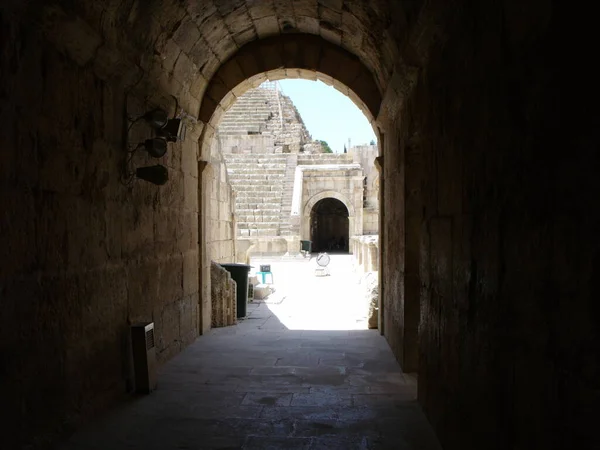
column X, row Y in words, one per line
column 210, row 32
column 195, row 37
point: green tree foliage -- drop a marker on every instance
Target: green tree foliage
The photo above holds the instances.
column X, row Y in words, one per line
column 326, row 147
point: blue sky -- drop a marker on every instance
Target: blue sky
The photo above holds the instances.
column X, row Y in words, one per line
column 328, row 114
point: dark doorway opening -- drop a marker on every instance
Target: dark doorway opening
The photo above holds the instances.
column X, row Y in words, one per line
column 329, row 226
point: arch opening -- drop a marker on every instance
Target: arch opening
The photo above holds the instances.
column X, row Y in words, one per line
column 295, row 56
column 329, row 226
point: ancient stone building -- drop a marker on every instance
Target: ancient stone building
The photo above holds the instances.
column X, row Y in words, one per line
column 282, row 179
column 487, row 120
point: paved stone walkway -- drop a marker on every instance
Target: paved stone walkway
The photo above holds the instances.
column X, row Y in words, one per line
column 262, row 385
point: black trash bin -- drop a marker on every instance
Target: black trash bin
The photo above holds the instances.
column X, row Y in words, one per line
column 306, row 246
column 239, row 273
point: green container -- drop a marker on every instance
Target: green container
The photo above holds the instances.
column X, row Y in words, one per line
column 306, row 246
column 239, row 273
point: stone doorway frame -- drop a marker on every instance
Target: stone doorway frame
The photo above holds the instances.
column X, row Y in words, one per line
column 310, row 204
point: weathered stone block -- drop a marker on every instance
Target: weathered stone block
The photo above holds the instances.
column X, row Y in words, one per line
column 223, row 295
column 191, row 269
column 186, row 35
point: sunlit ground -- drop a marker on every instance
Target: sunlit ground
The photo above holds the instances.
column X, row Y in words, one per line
column 304, row 301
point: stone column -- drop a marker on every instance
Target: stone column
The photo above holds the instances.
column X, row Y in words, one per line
column 372, row 257
column 413, row 212
column 379, row 164
column 205, row 306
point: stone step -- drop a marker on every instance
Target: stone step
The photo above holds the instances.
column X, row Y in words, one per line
column 256, row 160
column 256, row 190
column 275, row 214
column 260, row 195
column 254, row 118
column 256, row 126
column 254, row 180
column 251, row 167
column 259, row 175
column 258, row 217
column 271, row 212
column 255, row 233
column 255, row 175
column 258, row 186
column 253, row 196
column 263, row 187
column 250, row 206
column 249, row 114
column 255, row 157
column 323, row 162
column 266, row 229
column 258, row 181
column 241, row 171
column 263, row 203
column 317, row 157
column 258, row 225
column 257, row 167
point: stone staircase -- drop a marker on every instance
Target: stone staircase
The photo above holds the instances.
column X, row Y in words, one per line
column 266, row 112
column 252, row 113
column 264, row 184
column 259, row 181
column 263, row 178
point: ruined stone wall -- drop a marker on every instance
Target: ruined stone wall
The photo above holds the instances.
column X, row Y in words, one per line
column 365, row 156
column 83, row 256
column 223, row 297
column 494, row 163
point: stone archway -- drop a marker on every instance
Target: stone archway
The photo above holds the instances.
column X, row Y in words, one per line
column 354, row 223
column 290, row 56
column 329, row 226
column 297, row 55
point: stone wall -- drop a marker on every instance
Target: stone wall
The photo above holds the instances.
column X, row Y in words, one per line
column 223, row 297
column 83, row 255
column 219, row 210
column 492, row 163
column 488, row 118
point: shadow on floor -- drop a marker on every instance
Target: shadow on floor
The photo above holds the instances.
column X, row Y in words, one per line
column 258, row 385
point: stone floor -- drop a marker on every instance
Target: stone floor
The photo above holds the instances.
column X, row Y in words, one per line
column 276, row 384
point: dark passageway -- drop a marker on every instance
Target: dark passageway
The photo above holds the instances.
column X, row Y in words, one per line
column 329, row 226
column 112, row 206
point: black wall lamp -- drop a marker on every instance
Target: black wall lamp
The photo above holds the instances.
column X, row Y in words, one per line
column 173, row 131
column 156, row 147
column 166, row 130
column 170, row 129
column 157, row 118
column 154, row 174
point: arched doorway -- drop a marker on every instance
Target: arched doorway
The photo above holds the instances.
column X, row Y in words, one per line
column 329, row 226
